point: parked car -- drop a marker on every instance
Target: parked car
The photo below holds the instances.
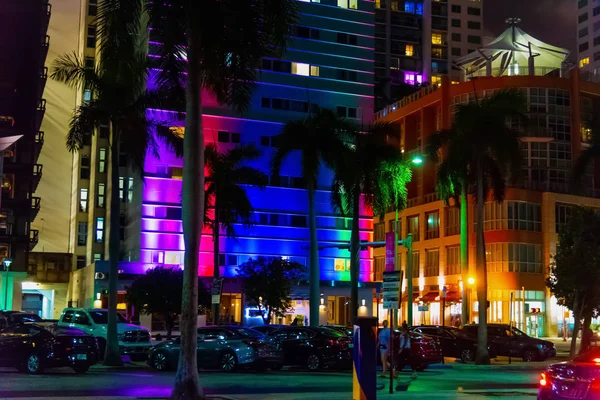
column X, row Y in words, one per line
column 455, row 342
column 576, row 379
column 34, row 347
column 510, row 341
column 266, row 329
column 134, row 340
column 426, row 350
column 314, row 348
column 346, row 330
column 222, row 347
column 8, row 318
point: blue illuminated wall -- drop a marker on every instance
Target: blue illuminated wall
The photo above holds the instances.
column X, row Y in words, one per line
column 337, row 41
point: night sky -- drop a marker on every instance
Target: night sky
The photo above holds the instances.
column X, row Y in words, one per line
column 552, row 21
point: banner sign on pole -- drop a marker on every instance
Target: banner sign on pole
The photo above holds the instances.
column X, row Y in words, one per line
column 392, row 284
column 390, row 263
column 217, row 288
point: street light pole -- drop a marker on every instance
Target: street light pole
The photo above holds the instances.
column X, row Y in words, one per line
column 7, row 262
column 409, row 278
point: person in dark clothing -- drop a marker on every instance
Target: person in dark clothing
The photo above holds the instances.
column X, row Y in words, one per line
column 404, row 355
column 295, row 322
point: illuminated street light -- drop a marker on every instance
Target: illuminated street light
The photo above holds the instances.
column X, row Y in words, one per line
column 471, row 280
column 417, row 160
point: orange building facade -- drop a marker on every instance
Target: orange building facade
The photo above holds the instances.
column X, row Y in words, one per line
column 521, row 232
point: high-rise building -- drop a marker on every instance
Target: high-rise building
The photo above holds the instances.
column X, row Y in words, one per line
column 521, row 232
column 425, row 38
column 23, row 51
column 328, row 64
column 588, row 39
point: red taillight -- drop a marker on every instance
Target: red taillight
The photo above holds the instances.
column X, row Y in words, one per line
column 595, row 385
column 543, row 380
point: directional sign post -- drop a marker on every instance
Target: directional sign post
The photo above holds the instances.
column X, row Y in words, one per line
column 217, row 288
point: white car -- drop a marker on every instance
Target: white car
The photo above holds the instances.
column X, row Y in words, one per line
column 134, row 340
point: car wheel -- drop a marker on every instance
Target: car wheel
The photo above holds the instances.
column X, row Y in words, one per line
column 530, row 355
column 228, row 362
column 34, row 364
column 81, row 369
column 313, row 362
column 467, row 355
column 159, row 361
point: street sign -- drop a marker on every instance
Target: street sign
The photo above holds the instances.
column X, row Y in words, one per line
column 216, row 290
column 390, row 262
column 391, row 287
column 423, row 308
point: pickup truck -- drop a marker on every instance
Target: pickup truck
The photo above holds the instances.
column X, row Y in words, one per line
column 134, row 340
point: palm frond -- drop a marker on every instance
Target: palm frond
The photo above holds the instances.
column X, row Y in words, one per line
column 86, row 119
column 72, row 71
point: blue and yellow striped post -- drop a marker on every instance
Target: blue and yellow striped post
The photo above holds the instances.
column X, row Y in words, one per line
column 364, row 375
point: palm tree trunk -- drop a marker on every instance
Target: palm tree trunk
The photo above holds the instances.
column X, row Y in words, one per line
column 216, row 269
column 482, row 356
column 464, row 251
column 576, row 317
column 111, row 354
column 586, row 334
column 314, row 273
column 186, row 380
column 354, row 256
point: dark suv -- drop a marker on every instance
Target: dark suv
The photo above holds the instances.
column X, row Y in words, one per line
column 509, row 341
column 455, row 342
column 12, row 318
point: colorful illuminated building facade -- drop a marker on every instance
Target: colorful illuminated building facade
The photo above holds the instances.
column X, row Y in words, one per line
column 328, row 64
column 520, row 233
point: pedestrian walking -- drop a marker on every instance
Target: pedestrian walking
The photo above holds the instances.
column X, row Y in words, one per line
column 383, row 344
column 404, row 354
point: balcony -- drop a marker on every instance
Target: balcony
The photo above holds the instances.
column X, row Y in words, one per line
column 47, row 10
column 39, row 143
column 35, row 207
column 40, row 112
column 44, row 45
column 43, row 79
column 37, row 175
column 33, row 238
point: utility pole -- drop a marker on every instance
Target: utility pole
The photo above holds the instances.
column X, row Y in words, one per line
column 407, row 242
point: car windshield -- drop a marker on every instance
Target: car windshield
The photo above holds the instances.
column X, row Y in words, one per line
column 63, row 331
column 248, row 332
column 518, row 333
column 458, row 333
column 329, row 332
column 101, row 317
column 25, row 318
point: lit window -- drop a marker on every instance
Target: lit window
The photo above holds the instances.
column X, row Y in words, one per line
column 420, row 8
column 83, row 200
column 341, row 265
column 97, row 256
column 583, row 62
column 121, row 187
column 300, row 69
column 87, row 95
column 409, row 7
column 102, row 160
column 81, row 233
column 130, row 190
column 101, row 194
column 436, row 80
column 99, row 229
column 377, row 3
column 436, row 38
column 412, row 79
column 314, row 70
column 409, row 51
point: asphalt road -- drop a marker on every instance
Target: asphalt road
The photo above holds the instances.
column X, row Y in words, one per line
column 143, row 382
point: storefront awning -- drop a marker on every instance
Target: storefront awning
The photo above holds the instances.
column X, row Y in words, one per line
column 405, row 296
column 453, row 296
column 431, row 296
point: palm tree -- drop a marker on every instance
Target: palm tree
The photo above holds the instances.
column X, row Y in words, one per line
column 227, row 175
column 223, row 42
column 119, row 99
column 374, row 168
column 481, row 152
column 320, row 140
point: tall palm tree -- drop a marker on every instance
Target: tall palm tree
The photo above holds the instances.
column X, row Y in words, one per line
column 374, row 168
column 226, row 177
column 320, row 140
column 482, row 151
column 220, row 44
column 118, row 98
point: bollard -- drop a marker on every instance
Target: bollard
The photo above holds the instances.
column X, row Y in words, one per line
column 364, row 360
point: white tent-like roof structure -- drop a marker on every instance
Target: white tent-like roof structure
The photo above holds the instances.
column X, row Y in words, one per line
column 514, row 52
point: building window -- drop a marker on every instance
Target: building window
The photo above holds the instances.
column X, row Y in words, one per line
column 474, row 39
column 583, row 17
column 432, row 262
column 393, row 226
column 413, row 227
column 583, row 62
column 583, row 32
column 345, row 38
column 99, row 230
column 91, row 36
column 474, row 25
column 130, row 190
column 416, row 264
column 341, row 265
column 436, row 38
column 409, row 50
column 452, row 221
column 83, row 200
column 379, row 268
column 102, row 160
column 437, row 52
column 379, row 232
column 452, row 260
column 84, row 168
column 97, row 256
column 82, row 234
column 456, row 51
column 596, row 43
column 456, row 8
column 596, row 10
column 314, row 70
column 473, row 11
column 456, row 37
column 92, row 7
column 562, row 213
column 353, row 4
column 347, row 75
column 346, row 112
column 514, row 257
column 87, row 95
column 432, row 225
column 121, row 188
column 300, row 69
column 409, row 7
column 456, row 23
column 584, row 46
column 582, row 3
column 524, row 216
column 101, row 195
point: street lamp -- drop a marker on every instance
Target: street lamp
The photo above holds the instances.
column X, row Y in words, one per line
column 7, row 263
column 417, row 160
column 471, row 282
